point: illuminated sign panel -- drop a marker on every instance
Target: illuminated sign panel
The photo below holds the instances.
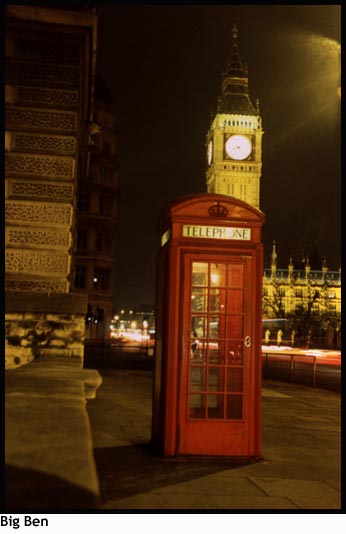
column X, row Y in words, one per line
column 217, row 232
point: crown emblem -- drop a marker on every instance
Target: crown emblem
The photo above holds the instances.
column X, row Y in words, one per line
column 218, row 210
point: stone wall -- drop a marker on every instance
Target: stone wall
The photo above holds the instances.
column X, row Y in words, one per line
column 49, row 460
column 31, row 335
column 40, row 330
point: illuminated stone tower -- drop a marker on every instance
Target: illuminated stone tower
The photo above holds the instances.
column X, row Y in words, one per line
column 234, row 139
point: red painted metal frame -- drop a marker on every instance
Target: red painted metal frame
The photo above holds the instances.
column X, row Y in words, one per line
column 172, row 302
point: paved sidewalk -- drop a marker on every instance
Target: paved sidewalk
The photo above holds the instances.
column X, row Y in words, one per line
column 301, row 448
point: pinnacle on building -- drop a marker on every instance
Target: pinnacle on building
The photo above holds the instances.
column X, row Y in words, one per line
column 234, row 139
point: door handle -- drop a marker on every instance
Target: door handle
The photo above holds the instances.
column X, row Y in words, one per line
column 248, row 341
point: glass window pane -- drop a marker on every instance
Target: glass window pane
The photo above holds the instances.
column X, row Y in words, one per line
column 235, row 353
column 235, row 275
column 215, row 406
column 197, row 406
column 198, row 350
column 199, row 274
column 235, row 299
column 198, row 326
column 234, row 407
column 216, row 327
column 218, row 274
column 235, row 379
column 197, row 379
column 216, row 379
column 217, row 351
column 217, row 299
column 199, row 300
column 235, row 326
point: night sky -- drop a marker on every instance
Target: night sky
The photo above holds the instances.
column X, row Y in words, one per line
column 163, row 66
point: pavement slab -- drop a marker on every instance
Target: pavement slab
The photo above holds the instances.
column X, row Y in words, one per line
column 301, row 448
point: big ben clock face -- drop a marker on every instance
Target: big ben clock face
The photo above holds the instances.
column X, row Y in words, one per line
column 210, row 152
column 238, row 147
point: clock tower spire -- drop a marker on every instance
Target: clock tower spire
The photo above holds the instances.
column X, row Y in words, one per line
column 234, row 139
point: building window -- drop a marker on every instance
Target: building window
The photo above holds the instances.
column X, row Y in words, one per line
column 82, row 239
column 299, row 293
column 106, row 174
column 105, row 147
column 101, row 278
column 315, row 309
column 103, row 241
column 83, row 201
column 105, row 205
column 332, row 309
column 93, row 173
column 80, row 276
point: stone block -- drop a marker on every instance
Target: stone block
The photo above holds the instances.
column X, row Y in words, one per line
column 14, row 316
column 44, row 334
column 57, row 343
column 62, row 305
column 60, row 333
column 55, row 351
column 25, row 342
column 17, row 356
column 77, row 352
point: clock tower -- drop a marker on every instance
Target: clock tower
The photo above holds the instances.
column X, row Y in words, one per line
column 234, row 139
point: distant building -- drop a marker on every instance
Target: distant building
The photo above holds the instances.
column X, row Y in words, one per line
column 97, row 216
column 234, row 139
column 297, row 291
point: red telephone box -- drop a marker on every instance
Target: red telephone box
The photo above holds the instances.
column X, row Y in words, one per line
column 207, row 383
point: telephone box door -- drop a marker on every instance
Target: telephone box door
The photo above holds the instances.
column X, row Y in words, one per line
column 217, row 356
